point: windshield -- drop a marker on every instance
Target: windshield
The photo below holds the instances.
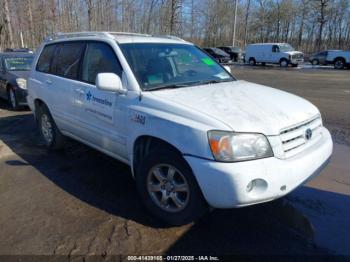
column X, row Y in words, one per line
column 236, row 49
column 159, row 65
column 18, row 63
column 219, row 51
column 286, row 48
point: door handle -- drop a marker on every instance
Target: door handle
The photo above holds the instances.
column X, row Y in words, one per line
column 48, row 81
column 80, row 91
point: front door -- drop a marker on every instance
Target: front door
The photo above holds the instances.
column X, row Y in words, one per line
column 96, row 109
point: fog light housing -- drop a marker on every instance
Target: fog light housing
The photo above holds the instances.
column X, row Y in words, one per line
column 256, row 186
column 250, row 186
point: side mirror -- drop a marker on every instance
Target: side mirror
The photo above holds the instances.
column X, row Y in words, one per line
column 227, row 68
column 109, row 82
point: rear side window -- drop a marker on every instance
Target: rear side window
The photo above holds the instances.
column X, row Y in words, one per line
column 99, row 58
column 67, row 59
column 44, row 61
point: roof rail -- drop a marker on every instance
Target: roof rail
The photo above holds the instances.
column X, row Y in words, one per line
column 61, row 35
column 170, row 37
column 128, row 34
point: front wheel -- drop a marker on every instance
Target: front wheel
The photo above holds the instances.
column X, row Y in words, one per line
column 168, row 188
column 12, row 99
column 252, row 62
column 314, row 62
column 284, row 63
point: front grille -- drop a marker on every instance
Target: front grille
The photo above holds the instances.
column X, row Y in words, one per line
column 297, row 56
column 294, row 138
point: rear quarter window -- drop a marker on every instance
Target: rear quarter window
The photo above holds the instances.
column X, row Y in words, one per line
column 44, row 61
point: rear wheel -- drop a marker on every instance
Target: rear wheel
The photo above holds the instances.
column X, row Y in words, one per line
column 168, row 188
column 12, row 99
column 339, row 63
column 252, row 62
column 52, row 136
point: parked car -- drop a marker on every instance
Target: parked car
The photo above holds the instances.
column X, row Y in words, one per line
column 273, row 53
column 236, row 53
column 218, row 54
column 338, row 58
column 193, row 135
column 14, row 69
column 319, row 58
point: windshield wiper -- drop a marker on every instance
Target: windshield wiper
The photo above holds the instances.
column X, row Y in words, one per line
column 212, row 81
column 166, row 87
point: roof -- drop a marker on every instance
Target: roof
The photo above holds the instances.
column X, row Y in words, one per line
column 268, row 44
column 11, row 54
column 120, row 37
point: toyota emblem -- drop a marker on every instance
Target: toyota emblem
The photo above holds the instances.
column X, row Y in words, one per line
column 308, row 134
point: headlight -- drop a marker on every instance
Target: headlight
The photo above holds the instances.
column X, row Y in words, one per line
column 231, row 147
column 22, row 83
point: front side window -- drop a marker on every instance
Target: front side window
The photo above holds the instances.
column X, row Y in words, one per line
column 67, row 59
column 275, row 49
column 99, row 58
column 44, row 61
column 160, row 65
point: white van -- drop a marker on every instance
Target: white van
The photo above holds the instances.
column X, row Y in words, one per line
column 273, row 53
column 193, row 135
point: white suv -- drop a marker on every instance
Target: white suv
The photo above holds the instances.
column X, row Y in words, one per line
column 193, row 135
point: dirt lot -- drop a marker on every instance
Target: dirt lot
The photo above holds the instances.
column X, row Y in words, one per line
column 80, row 201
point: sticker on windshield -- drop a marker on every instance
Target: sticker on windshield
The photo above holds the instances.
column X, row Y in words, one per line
column 155, row 79
column 208, row 61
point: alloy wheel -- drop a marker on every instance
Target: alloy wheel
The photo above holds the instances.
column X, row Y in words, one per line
column 168, row 188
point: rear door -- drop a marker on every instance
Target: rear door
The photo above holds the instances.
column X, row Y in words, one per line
column 97, row 110
column 58, row 80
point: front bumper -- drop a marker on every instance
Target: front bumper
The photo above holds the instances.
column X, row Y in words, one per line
column 21, row 96
column 224, row 185
column 297, row 60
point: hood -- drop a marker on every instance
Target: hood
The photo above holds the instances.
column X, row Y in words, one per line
column 19, row 74
column 294, row 52
column 244, row 106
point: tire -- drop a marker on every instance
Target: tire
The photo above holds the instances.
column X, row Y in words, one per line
column 315, row 62
column 51, row 135
column 263, row 64
column 284, row 63
column 154, row 184
column 12, row 99
column 339, row 63
column 252, row 62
